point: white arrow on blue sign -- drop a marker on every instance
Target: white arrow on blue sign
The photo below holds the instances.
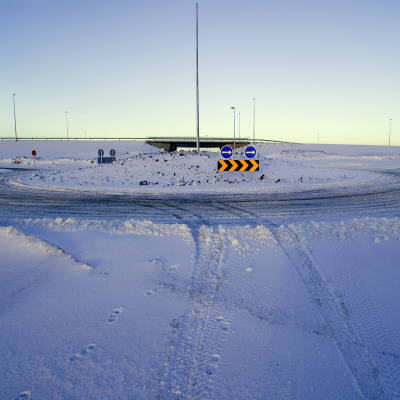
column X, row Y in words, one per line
column 226, row 152
column 250, row 152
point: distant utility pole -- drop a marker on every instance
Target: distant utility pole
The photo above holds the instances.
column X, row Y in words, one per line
column 66, row 117
column 197, row 78
column 239, row 126
column 318, row 137
column 390, row 129
column 254, row 119
column 234, row 115
column 15, row 120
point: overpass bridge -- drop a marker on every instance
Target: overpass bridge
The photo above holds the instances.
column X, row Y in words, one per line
column 171, row 144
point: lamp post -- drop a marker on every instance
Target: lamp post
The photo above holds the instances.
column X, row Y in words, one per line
column 15, row 120
column 197, row 80
column 254, row 119
column 390, row 129
column 66, row 118
column 239, row 126
column 234, row 121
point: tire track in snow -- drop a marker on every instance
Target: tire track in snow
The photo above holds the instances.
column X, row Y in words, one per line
column 234, row 297
column 189, row 367
column 183, row 214
column 225, row 306
column 365, row 330
column 370, row 327
column 354, row 354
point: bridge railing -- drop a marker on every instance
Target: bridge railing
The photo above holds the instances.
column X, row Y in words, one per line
column 149, row 138
column 74, row 139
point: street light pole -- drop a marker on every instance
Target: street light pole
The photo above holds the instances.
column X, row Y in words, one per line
column 390, row 129
column 66, row 117
column 15, row 120
column 197, row 79
column 254, row 119
column 234, row 119
column 239, row 126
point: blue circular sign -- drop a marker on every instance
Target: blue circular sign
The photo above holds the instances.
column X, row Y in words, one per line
column 250, row 152
column 100, row 152
column 226, row 152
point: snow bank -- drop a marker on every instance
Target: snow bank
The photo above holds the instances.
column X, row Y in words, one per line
column 378, row 228
column 128, row 226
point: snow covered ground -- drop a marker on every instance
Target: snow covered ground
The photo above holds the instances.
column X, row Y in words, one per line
column 143, row 167
column 125, row 308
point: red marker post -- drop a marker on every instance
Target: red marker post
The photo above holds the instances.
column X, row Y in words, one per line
column 34, row 156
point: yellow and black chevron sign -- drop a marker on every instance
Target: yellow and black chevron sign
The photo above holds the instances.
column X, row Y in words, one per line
column 238, row 165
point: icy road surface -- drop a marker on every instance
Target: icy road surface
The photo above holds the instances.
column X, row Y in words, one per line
column 289, row 295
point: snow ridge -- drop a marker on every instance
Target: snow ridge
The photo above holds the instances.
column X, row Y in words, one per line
column 49, row 248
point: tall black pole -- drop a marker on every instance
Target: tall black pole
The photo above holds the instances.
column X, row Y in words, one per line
column 197, row 78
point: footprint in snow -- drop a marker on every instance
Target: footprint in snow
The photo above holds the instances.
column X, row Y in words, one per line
column 115, row 315
column 155, row 289
column 83, row 352
column 155, row 262
column 23, row 396
column 173, row 269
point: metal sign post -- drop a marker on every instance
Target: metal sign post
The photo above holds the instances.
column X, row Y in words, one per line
column 226, row 153
column 250, row 153
column 105, row 160
column 100, row 154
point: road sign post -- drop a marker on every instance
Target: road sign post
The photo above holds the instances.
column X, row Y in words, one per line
column 105, row 160
column 250, row 153
column 100, row 156
column 34, row 156
column 226, row 153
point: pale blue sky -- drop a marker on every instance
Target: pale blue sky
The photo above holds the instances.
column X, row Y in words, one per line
column 127, row 68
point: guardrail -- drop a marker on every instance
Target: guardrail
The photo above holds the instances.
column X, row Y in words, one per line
column 73, row 139
column 152, row 138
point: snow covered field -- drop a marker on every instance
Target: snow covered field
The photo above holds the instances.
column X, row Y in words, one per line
column 129, row 308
